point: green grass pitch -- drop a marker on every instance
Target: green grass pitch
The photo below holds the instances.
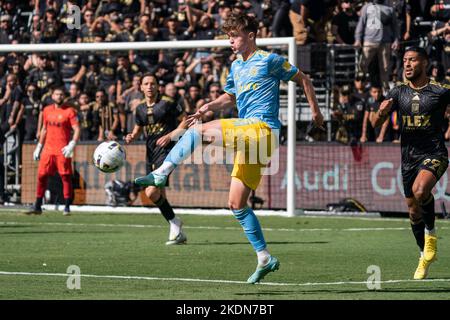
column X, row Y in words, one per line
column 123, row 256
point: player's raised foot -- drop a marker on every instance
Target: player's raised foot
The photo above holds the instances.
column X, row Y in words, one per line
column 152, row 179
column 422, row 269
column 261, row 272
column 179, row 239
column 430, row 249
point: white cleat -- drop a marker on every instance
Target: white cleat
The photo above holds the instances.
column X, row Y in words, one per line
column 179, row 239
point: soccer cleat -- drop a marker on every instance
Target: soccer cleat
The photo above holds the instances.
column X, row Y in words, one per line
column 66, row 212
column 422, row 269
column 179, row 239
column 430, row 250
column 34, row 210
column 152, row 179
column 261, row 272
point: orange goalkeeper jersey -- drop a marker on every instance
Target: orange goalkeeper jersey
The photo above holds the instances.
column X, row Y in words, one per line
column 59, row 122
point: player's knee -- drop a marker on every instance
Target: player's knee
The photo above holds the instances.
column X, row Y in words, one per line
column 235, row 205
column 153, row 193
column 420, row 194
column 415, row 216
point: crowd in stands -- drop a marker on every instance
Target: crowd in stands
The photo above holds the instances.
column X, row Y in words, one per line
column 104, row 86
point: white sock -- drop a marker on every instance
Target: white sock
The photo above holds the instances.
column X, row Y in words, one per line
column 430, row 232
column 421, row 254
column 263, row 257
column 165, row 169
column 175, row 227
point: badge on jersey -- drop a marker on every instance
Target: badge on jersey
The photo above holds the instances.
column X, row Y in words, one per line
column 415, row 103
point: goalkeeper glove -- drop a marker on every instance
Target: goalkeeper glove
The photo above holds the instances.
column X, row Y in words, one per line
column 37, row 152
column 68, row 150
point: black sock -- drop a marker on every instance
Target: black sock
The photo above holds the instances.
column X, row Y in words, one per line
column 166, row 208
column 428, row 213
column 419, row 233
column 67, row 202
column 38, row 204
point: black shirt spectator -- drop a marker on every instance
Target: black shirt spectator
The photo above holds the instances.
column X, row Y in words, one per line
column 33, row 106
column 44, row 75
column 71, row 67
column 344, row 24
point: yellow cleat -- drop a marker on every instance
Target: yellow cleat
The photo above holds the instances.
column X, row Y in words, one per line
column 430, row 250
column 422, row 269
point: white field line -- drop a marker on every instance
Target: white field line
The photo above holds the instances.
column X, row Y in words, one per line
column 111, row 225
column 306, row 284
column 82, row 210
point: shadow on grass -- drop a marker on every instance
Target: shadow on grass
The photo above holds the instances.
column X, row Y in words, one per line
column 243, row 242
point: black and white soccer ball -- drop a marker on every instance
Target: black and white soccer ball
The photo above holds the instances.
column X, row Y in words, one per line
column 109, row 156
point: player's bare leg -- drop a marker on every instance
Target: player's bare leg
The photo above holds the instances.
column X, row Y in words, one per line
column 158, row 197
column 422, row 212
column 191, row 139
column 423, row 185
column 237, row 202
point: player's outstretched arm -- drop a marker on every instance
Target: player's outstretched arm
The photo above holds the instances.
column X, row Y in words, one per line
column 379, row 117
column 223, row 101
column 305, row 82
column 135, row 133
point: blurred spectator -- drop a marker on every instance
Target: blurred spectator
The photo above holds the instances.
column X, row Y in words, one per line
column 349, row 115
column 182, row 75
column 125, row 74
column 35, row 30
column 108, row 116
column 86, row 32
column 191, row 98
column 360, row 92
column 213, row 93
column 280, row 22
column 206, row 77
column 131, row 98
column 107, row 73
column 32, row 106
column 417, row 11
column 437, row 72
column 224, row 10
column 74, row 95
column 344, row 23
column 377, row 32
column 7, row 34
column 72, row 67
column 11, row 102
column 308, row 18
column 382, row 133
column 91, row 78
column 44, row 74
column 220, row 70
column 51, row 27
column 146, row 59
column 440, row 43
column 88, row 122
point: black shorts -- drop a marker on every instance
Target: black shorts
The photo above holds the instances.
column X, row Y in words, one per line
column 153, row 163
column 436, row 164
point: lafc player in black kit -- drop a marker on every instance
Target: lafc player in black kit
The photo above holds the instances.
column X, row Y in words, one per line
column 421, row 104
column 158, row 117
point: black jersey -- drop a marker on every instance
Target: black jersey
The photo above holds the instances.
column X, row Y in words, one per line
column 158, row 120
column 421, row 115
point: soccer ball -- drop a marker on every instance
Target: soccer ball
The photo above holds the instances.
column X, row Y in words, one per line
column 109, row 156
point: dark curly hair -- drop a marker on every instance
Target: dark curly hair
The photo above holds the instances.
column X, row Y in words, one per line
column 241, row 21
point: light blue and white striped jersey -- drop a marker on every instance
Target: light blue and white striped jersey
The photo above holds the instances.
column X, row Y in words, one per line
column 256, row 85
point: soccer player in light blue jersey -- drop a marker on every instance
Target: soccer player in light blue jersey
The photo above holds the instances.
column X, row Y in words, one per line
column 253, row 86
